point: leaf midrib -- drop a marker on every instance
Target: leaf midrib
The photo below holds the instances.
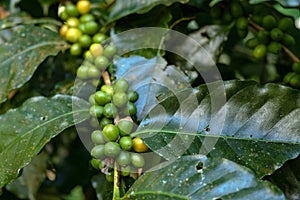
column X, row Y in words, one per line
column 157, row 193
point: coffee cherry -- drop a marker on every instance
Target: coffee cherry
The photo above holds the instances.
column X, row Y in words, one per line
column 109, row 177
column 295, row 81
column 287, row 78
column 236, row 9
column 125, row 170
column 102, row 98
column 242, row 23
column 86, row 18
column 98, row 151
column 139, row 145
column 121, row 85
column 111, row 132
column 97, row 164
column 111, row 149
column 227, row 17
column 131, row 108
column 72, row 10
column 276, row 34
column 101, row 62
column 263, row 36
column 81, row 27
column 296, row 67
column 75, row 49
column 63, row 30
column 85, row 41
column 125, row 127
column 274, row 47
column 132, row 96
column 110, row 110
column 82, row 72
column 126, row 143
column 110, row 50
column 96, row 49
column 260, row 51
column 242, row 33
column 120, row 99
column 83, row 6
column 73, row 34
column 288, row 40
column 251, row 43
column 124, row 158
column 92, row 99
column 91, row 27
column 72, row 22
column 137, row 160
column 107, row 89
column 285, row 24
column 269, row 22
column 93, row 72
column 99, row 38
column 216, row 12
column 105, row 121
column 64, row 15
column 97, row 137
column 96, row 111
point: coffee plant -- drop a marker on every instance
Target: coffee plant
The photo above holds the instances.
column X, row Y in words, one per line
column 178, row 99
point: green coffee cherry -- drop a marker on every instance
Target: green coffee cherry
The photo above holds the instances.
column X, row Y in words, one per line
column 109, row 177
column 252, row 43
column 124, row 158
column 285, row 23
column 72, row 10
column 274, row 47
column 242, row 23
column 82, row 72
column 97, row 164
column 216, row 12
column 125, row 127
column 93, row 72
column 99, row 38
column 125, row 170
column 131, row 108
column 288, row 40
column 295, row 81
column 276, row 34
column 287, row 78
column 132, row 96
column 110, row 110
column 126, row 143
column 102, row 98
column 98, row 151
column 85, row 41
column 86, row 18
column 109, row 51
column 236, row 9
column 91, row 27
column 96, row 111
column 121, row 85
column 296, row 67
column 260, row 51
column 263, row 36
column 269, row 22
column 101, row 62
column 92, row 99
column 75, row 49
column 137, row 160
column 97, row 137
column 107, row 89
column 111, row 132
column 105, row 121
column 112, row 149
column 119, row 99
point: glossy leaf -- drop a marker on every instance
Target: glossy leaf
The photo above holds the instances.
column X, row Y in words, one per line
column 124, row 8
column 257, row 127
column 25, row 130
column 22, row 49
column 282, row 2
column 199, row 177
column 152, row 78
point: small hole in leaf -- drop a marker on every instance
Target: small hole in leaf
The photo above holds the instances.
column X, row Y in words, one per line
column 217, row 198
column 44, row 118
column 251, row 136
column 207, row 129
column 199, row 166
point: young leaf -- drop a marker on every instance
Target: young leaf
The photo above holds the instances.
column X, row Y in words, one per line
column 25, row 130
column 22, row 49
column 199, row 177
column 257, row 127
column 124, row 8
column 151, row 78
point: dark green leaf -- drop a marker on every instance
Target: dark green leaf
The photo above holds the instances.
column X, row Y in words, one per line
column 257, row 127
column 151, row 78
column 124, row 8
column 285, row 3
column 22, row 49
column 199, row 177
column 25, row 130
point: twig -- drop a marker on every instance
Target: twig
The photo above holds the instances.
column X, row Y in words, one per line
column 106, row 78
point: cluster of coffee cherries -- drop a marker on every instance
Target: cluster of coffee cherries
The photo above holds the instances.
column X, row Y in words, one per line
column 81, row 28
column 272, row 36
column 293, row 78
column 114, row 108
column 233, row 11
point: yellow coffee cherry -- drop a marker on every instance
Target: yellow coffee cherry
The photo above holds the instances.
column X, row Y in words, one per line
column 63, row 30
column 83, row 6
column 73, row 22
column 73, row 34
column 139, row 145
column 96, row 49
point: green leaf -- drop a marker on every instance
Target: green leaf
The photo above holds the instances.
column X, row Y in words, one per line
column 124, row 8
column 257, row 127
column 284, row 3
column 152, row 78
column 25, row 130
column 199, row 177
column 22, row 49
column 75, row 194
